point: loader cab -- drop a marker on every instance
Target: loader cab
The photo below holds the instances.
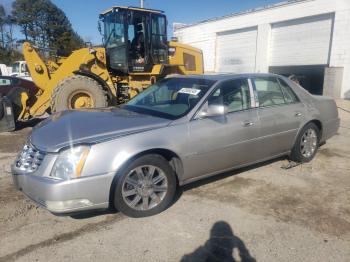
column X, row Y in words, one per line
column 135, row 39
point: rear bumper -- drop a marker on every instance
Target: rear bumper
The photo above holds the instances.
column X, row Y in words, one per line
column 70, row 196
column 330, row 128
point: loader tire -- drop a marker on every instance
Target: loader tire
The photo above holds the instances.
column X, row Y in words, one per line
column 77, row 92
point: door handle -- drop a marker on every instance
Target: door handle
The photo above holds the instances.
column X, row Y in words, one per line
column 297, row 114
column 247, row 123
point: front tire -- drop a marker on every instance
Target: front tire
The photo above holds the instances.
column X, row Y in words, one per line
column 306, row 145
column 145, row 187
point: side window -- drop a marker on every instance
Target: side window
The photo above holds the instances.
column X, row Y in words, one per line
column 190, row 62
column 288, row 93
column 269, row 91
column 23, row 68
column 5, row 82
column 159, row 39
column 131, row 33
column 234, row 94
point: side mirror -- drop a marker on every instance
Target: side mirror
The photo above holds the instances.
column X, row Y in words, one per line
column 212, row 110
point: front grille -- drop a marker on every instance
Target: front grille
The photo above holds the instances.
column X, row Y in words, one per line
column 29, row 159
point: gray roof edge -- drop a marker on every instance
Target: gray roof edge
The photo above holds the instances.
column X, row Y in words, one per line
column 249, row 11
column 224, row 76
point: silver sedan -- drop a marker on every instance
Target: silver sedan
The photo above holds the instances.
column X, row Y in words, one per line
column 179, row 130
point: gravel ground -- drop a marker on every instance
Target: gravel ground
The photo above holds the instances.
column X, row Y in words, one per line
column 261, row 213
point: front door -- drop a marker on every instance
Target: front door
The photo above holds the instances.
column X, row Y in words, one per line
column 222, row 142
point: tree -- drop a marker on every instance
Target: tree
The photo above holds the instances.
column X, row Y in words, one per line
column 9, row 37
column 8, row 49
column 45, row 25
column 2, row 26
column 8, row 56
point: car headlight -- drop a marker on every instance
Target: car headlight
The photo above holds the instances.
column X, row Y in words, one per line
column 70, row 163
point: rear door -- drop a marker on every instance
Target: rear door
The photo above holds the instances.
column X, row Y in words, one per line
column 222, row 142
column 280, row 113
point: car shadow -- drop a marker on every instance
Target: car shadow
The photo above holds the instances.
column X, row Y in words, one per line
column 93, row 213
column 220, row 176
column 221, row 246
column 180, row 190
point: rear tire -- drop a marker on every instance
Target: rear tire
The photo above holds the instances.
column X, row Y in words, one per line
column 306, row 145
column 77, row 92
column 145, row 187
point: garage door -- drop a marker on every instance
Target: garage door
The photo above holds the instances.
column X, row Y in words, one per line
column 303, row 41
column 236, row 51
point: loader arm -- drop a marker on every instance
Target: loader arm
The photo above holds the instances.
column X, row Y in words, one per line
column 37, row 67
column 93, row 60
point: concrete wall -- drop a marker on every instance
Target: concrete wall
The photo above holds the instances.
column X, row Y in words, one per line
column 340, row 50
column 204, row 35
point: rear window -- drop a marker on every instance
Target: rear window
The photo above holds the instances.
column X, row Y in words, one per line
column 288, row 93
column 190, row 62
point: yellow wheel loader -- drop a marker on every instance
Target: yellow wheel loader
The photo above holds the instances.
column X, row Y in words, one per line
column 135, row 54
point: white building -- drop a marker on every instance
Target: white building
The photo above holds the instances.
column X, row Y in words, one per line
column 307, row 38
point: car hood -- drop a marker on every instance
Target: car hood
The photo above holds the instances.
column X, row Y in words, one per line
column 90, row 126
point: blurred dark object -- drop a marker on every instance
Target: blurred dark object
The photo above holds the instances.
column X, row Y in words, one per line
column 8, row 83
column 7, row 120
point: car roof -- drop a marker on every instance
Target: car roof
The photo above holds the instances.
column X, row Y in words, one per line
column 220, row 77
column 146, row 10
column 13, row 78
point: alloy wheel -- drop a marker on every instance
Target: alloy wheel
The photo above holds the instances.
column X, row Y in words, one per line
column 308, row 143
column 144, row 187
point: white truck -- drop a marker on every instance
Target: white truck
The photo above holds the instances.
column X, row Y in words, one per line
column 4, row 70
column 20, row 69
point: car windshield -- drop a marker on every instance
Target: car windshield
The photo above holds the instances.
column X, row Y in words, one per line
column 170, row 98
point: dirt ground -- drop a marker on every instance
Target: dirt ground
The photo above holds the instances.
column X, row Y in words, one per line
column 261, row 213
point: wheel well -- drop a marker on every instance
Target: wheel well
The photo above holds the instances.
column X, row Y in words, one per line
column 173, row 159
column 319, row 125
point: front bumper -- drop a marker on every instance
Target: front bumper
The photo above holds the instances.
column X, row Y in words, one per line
column 60, row 197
